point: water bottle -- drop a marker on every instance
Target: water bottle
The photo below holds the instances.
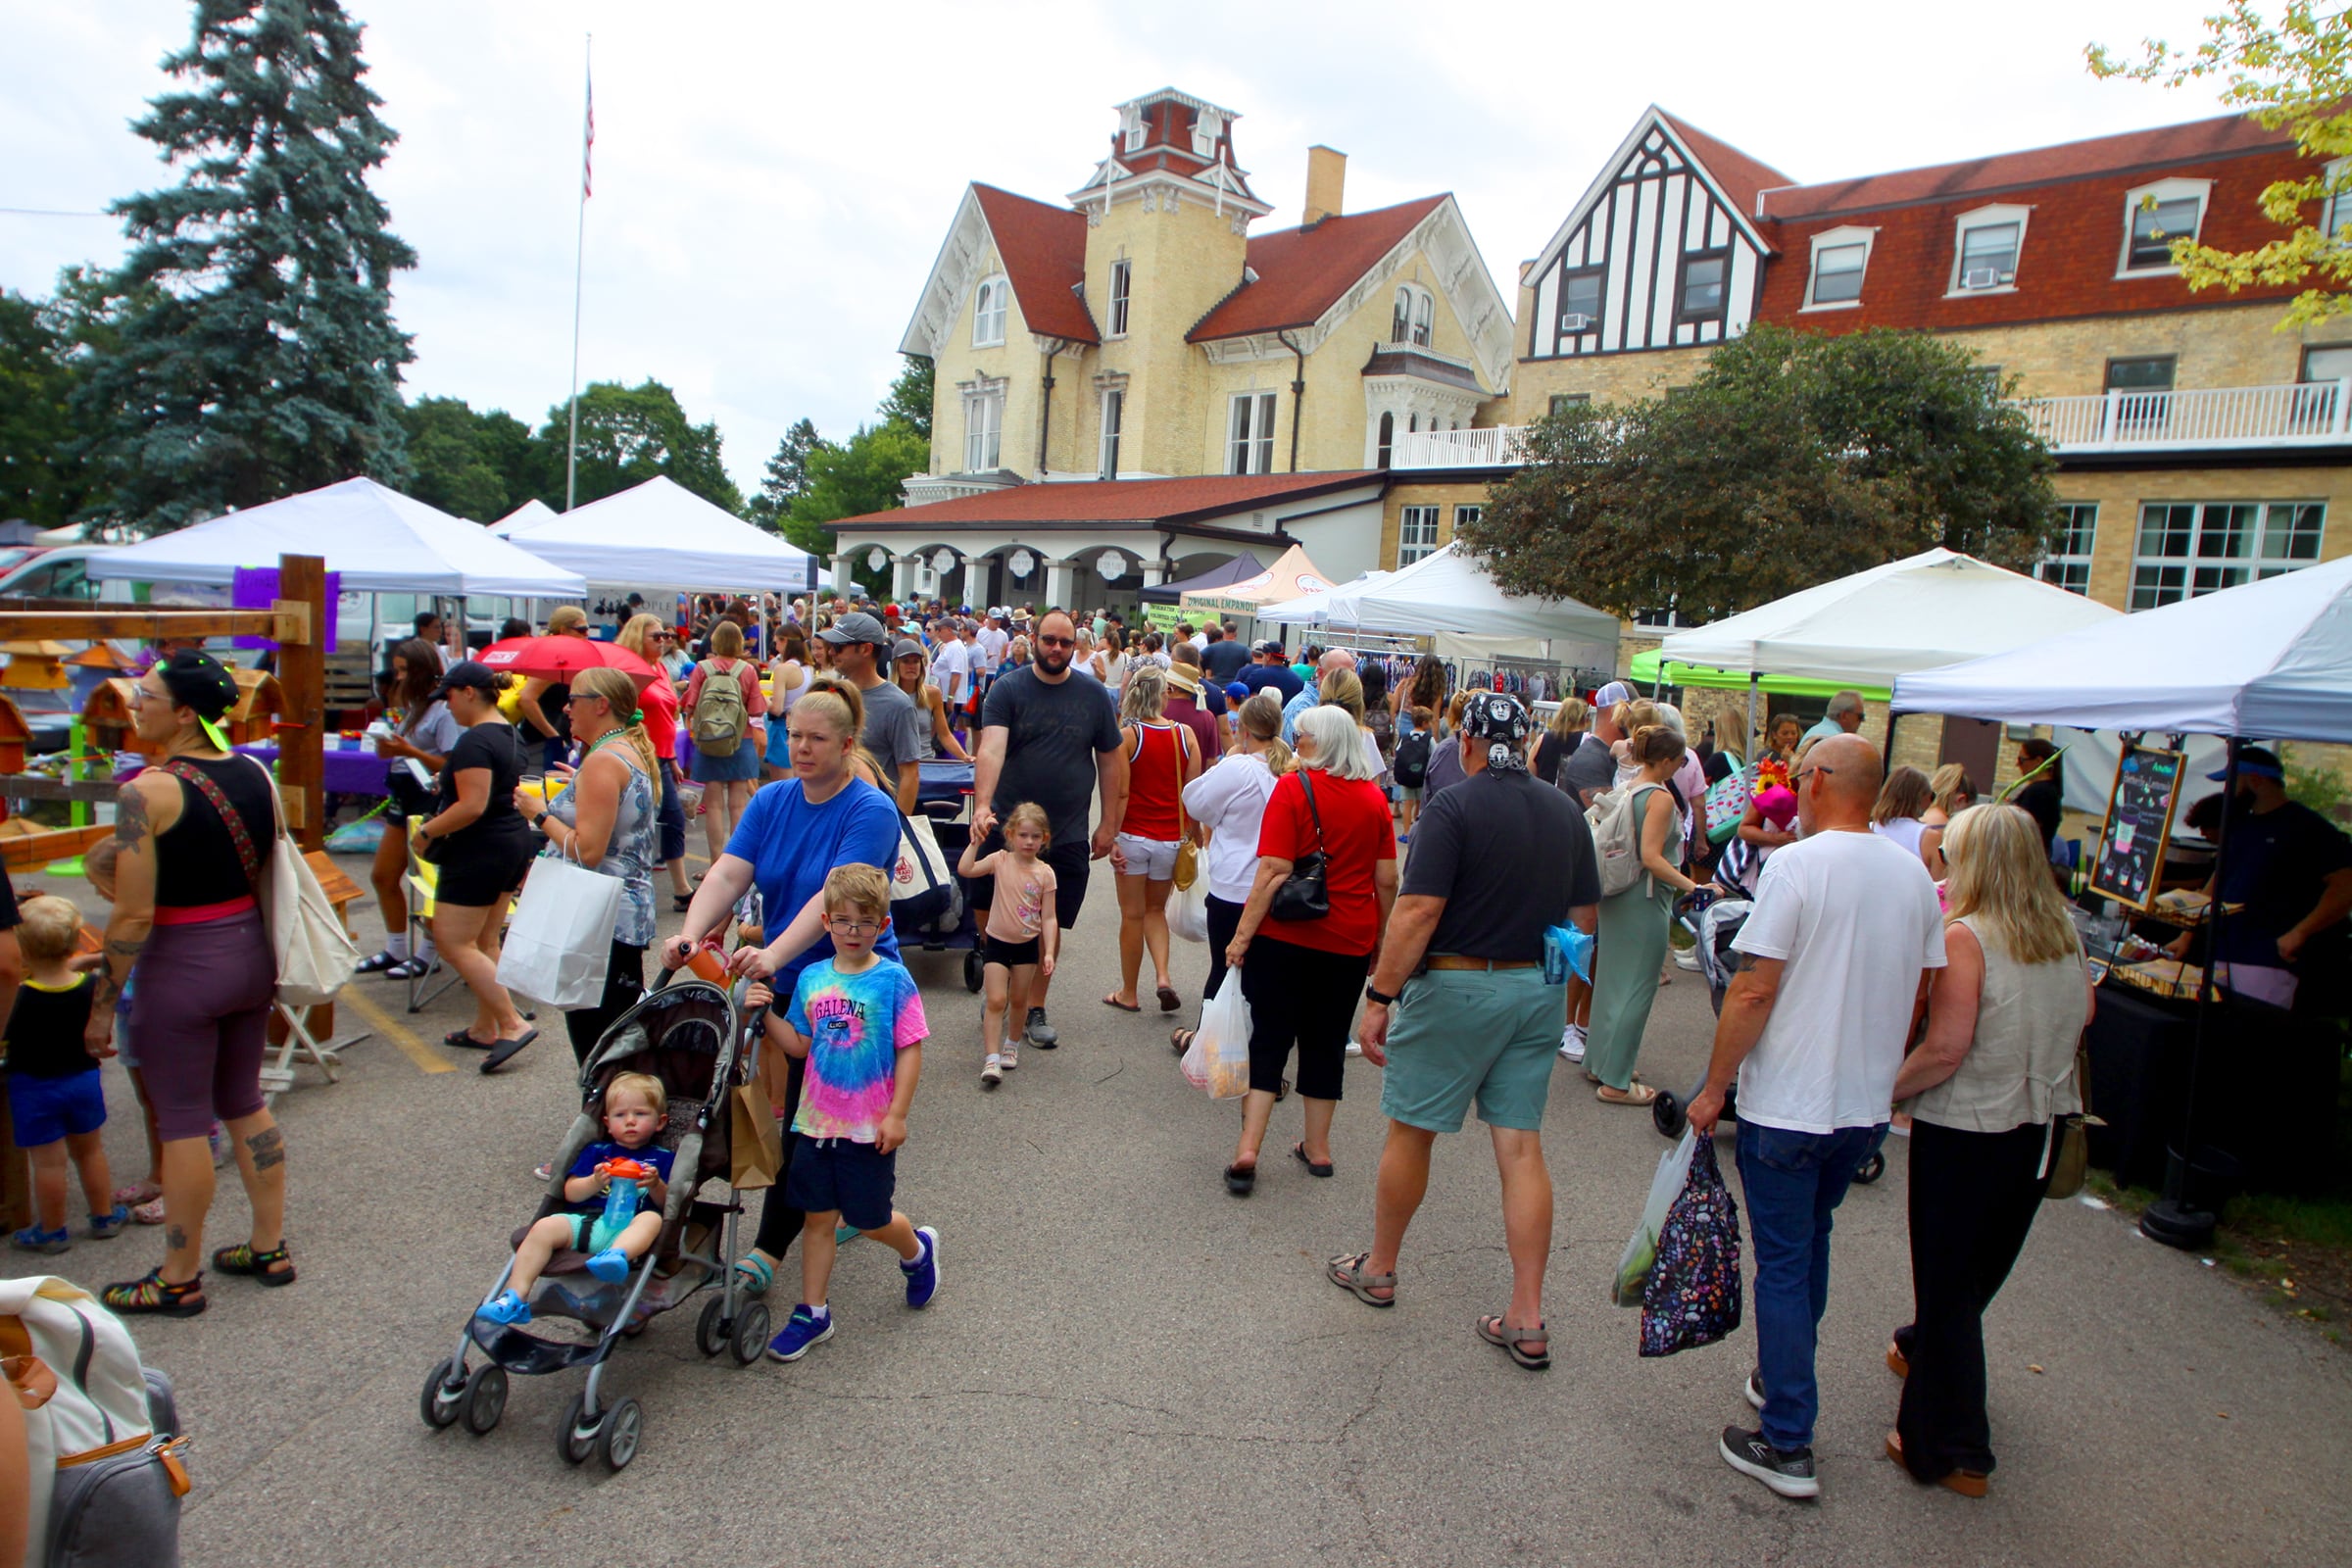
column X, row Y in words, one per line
column 621, row 1202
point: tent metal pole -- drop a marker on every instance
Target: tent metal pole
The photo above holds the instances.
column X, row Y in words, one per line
column 1750, row 737
column 2179, row 1222
column 1887, row 757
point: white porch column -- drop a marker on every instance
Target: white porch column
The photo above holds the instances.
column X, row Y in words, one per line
column 842, row 582
column 901, row 577
column 1152, row 571
column 1060, row 585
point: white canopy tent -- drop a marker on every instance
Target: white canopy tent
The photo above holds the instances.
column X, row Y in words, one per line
column 2265, row 659
column 1325, row 607
column 524, row 519
column 660, row 532
column 1916, row 614
column 1449, row 592
column 375, row 539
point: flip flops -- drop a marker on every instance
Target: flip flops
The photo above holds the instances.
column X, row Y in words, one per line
column 1123, row 1006
column 1169, row 1002
column 1313, row 1168
column 1241, row 1180
column 1639, row 1095
column 462, row 1038
column 504, row 1051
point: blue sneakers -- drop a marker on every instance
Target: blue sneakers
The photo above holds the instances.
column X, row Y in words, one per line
column 804, row 1330
column 922, row 1275
column 504, row 1307
column 34, row 1239
column 611, row 1265
column 103, row 1226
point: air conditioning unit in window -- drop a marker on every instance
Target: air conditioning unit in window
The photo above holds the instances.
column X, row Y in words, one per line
column 1980, row 277
column 1576, row 321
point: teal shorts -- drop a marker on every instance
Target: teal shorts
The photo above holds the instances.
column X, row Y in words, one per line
column 1464, row 1035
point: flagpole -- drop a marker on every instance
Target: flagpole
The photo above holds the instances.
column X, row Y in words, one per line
column 580, row 254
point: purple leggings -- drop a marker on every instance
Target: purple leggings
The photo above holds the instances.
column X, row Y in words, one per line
column 200, row 1021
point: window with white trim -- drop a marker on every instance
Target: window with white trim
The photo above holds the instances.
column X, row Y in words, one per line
column 1841, row 262
column 1987, row 256
column 2068, row 564
column 2155, row 216
column 2336, row 211
column 2189, row 548
column 1467, row 518
column 983, row 430
column 1562, row 401
column 1409, row 317
column 988, row 313
column 1122, row 278
column 1424, row 314
column 1417, row 534
column 1115, row 415
column 1580, row 300
column 1250, row 444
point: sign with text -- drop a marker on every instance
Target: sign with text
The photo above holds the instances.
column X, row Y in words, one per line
column 2138, row 826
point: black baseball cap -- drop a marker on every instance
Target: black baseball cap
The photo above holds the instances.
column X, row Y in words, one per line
column 468, row 672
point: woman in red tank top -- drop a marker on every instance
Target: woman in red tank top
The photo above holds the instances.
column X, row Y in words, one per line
column 1161, row 759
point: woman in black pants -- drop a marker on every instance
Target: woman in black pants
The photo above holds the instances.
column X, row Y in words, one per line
column 1227, row 803
column 1304, row 976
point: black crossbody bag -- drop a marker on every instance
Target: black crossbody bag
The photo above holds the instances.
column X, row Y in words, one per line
column 1303, row 895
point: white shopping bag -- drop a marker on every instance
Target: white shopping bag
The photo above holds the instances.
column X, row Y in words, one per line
column 1642, row 1252
column 1218, row 1061
column 560, row 944
column 1188, row 910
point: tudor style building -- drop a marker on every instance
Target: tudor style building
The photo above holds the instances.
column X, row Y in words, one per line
column 2197, row 446
column 1141, row 330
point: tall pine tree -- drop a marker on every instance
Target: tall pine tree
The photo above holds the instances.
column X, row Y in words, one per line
column 787, row 476
column 267, row 361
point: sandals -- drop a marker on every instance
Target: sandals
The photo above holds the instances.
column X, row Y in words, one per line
column 149, row 1212
column 1169, row 1002
column 1495, row 1331
column 152, row 1294
column 243, row 1259
column 1240, row 1179
column 504, row 1051
column 1349, row 1274
column 1182, row 1039
column 681, row 901
column 462, row 1038
column 1313, row 1168
column 1639, row 1095
column 1113, row 1000
column 412, row 968
column 384, row 959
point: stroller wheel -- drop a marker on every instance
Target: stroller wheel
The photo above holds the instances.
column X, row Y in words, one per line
column 573, row 1441
column 486, row 1398
column 620, row 1432
column 1870, row 1169
column 975, row 972
column 751, row 1333
column 1666, row 1114
column 711, row 1329
column 444, row 1388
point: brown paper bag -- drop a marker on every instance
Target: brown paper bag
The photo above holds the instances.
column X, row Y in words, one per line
column 755, row 1148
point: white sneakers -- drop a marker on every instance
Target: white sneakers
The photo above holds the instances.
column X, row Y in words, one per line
column 1686, row 959
column 1572, row 1043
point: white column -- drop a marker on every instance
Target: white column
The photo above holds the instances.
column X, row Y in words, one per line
column 1060, row 584
column 1152, row 571
column 901, row 577
column 843, row 581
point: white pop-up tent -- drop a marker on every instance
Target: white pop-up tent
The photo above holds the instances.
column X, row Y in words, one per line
column 1932, row 608
column 661, row 532
column 375, row 539
column 1449, row 592
column 524, row 519
column 1325, row 607
column 2271, row 659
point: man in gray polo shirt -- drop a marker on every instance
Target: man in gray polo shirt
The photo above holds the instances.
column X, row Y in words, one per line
column 894, row 725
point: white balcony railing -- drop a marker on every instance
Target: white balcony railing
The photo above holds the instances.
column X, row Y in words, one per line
column 2298, row 414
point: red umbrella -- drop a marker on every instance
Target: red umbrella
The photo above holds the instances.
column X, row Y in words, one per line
column 558, row 658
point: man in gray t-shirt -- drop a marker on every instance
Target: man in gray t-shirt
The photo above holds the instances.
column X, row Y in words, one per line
column 894, row 728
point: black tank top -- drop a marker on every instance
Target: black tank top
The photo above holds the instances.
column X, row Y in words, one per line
column 196, row 861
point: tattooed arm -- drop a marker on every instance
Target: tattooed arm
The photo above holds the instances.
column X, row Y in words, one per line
column 147, row 806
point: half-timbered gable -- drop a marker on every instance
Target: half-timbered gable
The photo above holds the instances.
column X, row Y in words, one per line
column 1662, row 252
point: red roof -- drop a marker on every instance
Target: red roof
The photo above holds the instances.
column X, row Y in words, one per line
column 1114, row 501
column 1043, row 249
column 1740, row 175
column 2201, row 140
column 1301, row 272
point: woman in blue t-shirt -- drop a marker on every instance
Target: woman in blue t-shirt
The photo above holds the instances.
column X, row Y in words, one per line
column 793, row 833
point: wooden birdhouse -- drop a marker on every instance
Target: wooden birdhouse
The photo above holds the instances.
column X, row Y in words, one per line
column 106, row 718
column 14, row 734
column 35, row 665
column 103, row 654
column 259, row 701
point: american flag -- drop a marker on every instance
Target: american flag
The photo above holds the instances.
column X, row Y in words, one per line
column 588, row 147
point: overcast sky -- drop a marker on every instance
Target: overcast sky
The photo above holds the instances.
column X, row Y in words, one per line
column 773, row 182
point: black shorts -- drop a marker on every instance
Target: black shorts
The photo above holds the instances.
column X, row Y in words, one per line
column 1011, row 955
column 476, row 875
column 833, row 1175
column 1070, row 862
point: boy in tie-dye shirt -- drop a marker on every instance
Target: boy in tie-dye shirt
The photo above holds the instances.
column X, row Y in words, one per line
column 859, row 1019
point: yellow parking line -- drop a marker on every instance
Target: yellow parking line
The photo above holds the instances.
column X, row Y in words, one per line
column 415, row 1049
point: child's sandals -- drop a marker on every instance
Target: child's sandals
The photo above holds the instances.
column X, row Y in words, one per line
column 243, row 1259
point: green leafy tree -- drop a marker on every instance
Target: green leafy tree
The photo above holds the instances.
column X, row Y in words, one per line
column 861, row 474
column 1794, row 458
column 39, row 481
column 2295, row 74
column 264, row 360
column 909, row 401
column 476, row 464
column 787, row 475
column 628, row 435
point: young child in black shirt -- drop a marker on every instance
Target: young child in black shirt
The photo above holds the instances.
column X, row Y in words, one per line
column 54, row 1100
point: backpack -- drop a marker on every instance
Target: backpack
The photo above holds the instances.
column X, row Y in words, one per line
column 1410, row 768
column 101, row 1431
column 719, row 716
column 1615, row 818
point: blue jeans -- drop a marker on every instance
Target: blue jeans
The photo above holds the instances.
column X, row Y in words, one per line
column 1793, row 1182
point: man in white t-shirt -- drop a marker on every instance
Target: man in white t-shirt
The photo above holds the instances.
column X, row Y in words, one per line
column 951, row 665
column 994, row 639
column 1833, row 970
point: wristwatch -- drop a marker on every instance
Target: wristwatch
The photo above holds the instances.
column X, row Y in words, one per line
column 1375, row 993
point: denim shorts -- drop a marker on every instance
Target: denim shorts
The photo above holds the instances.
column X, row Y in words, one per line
column 834, row 1174
column 1464, row 1036
column 42, row 1110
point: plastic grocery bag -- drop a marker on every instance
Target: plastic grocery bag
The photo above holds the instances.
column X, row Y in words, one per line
column 1566, row 952
column 1188, row 910
column 1633, row 1269
column 1218, row 1061
column 560, row 941
column 1692, row 1296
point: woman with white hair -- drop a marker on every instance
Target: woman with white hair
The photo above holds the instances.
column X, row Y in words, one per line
column 1302, row 972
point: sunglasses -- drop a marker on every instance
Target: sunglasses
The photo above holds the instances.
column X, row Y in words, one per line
column 1058, row 642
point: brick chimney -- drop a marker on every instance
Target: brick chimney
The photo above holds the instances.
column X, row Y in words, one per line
column 1326, row 182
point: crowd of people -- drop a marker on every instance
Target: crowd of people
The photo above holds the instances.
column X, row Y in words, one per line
column 1386, row 862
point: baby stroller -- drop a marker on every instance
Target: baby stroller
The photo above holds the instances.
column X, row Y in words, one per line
column 1713, row 925
column 689, row 1035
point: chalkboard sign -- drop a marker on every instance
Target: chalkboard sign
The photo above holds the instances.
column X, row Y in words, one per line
column 2138, row 826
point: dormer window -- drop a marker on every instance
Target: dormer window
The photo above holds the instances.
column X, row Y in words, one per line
column 1207, row 126
column 2157, row 215
column 1134, row 126
column 1411, row 317
column 1841, row 262
column 988, row 313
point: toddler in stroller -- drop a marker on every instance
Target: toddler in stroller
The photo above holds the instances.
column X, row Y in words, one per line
column 635, row 1107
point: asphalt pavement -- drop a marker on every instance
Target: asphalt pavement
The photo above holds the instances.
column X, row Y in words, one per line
column 1126, row 1365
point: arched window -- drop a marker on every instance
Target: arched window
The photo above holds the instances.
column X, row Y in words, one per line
column 988, row 313
column 1423, row 310
column 1412, row 423
column 1401, row 318
column 1388, row 438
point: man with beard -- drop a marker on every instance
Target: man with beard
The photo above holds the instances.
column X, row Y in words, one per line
column 1046, row 737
